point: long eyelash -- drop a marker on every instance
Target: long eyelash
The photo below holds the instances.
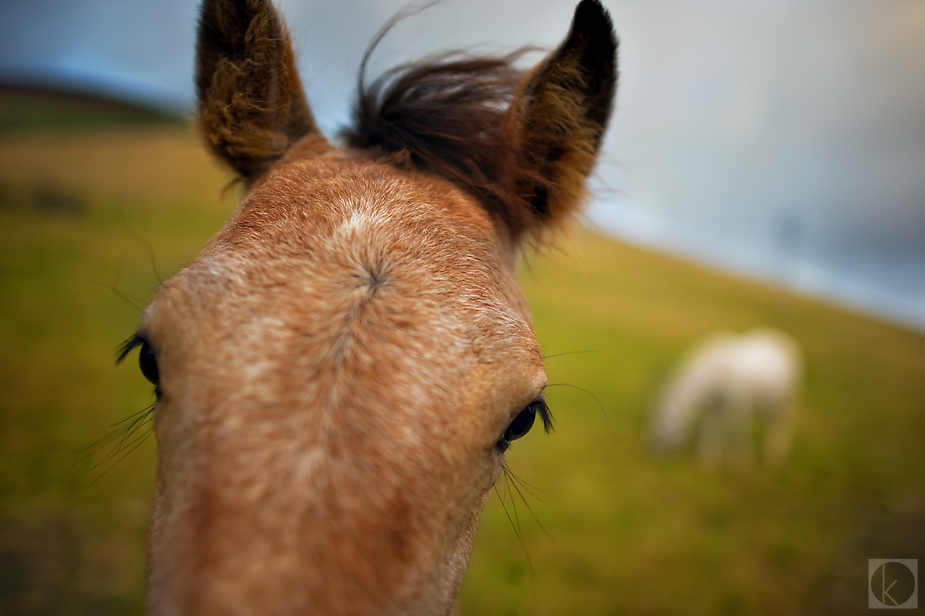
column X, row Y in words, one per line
column 545, row 414
column 126, row 347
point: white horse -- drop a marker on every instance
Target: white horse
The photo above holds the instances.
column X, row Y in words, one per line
column 723, row 382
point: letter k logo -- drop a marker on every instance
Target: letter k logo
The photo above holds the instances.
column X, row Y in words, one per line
column 893, row 583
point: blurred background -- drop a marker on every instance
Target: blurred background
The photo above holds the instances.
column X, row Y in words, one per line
column 764, row 167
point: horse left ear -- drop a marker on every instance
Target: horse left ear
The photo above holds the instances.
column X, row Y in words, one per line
column 251, row 105
column 560, row 113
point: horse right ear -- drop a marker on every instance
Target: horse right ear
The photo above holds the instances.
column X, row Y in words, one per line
column 559, row 116
column 251, row 106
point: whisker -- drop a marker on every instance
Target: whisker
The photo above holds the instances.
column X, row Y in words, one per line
column 132, row 429
column 141, row 240
column 532, row 489
column 133, row 302
column 143, row 411
column 520, row 540
column 590, row 393
column 122, row 446
column 140, row 440
column 507, row 482
column 508, row 476
column 92, row 448
column 596, row 351
column 124, row 439
column 513, row 478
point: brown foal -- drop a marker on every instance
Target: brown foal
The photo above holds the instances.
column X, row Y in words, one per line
column 340, row 371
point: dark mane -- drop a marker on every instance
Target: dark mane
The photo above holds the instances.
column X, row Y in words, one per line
column 449, row 115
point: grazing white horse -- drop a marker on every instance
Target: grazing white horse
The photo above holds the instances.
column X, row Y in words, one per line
column 724, row 381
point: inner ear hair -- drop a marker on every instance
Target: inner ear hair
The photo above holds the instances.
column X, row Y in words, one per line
column 559, row 116
column 251, row 106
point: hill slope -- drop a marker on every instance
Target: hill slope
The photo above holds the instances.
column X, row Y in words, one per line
column 32, row 108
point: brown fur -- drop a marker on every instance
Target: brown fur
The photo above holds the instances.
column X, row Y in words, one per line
column 522, row 144
column 251, row 104
column 558, row 119
column 448, row 117
column 338, row 366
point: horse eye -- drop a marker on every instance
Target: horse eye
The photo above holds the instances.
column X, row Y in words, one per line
column 521, row 424
column 524, row 422
column 148, row 363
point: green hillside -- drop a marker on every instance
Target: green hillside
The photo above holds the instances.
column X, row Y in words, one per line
column 626, row 532
column 35, row 108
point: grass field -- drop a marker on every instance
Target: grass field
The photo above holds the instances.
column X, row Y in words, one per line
column 614, row 529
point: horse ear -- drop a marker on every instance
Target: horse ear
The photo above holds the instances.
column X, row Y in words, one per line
column 560, row 113
column 251, row 106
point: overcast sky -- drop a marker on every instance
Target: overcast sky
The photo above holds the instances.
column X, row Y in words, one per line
column 784, row 138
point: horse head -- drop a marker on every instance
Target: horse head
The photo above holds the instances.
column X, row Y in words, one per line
column 339, row 372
